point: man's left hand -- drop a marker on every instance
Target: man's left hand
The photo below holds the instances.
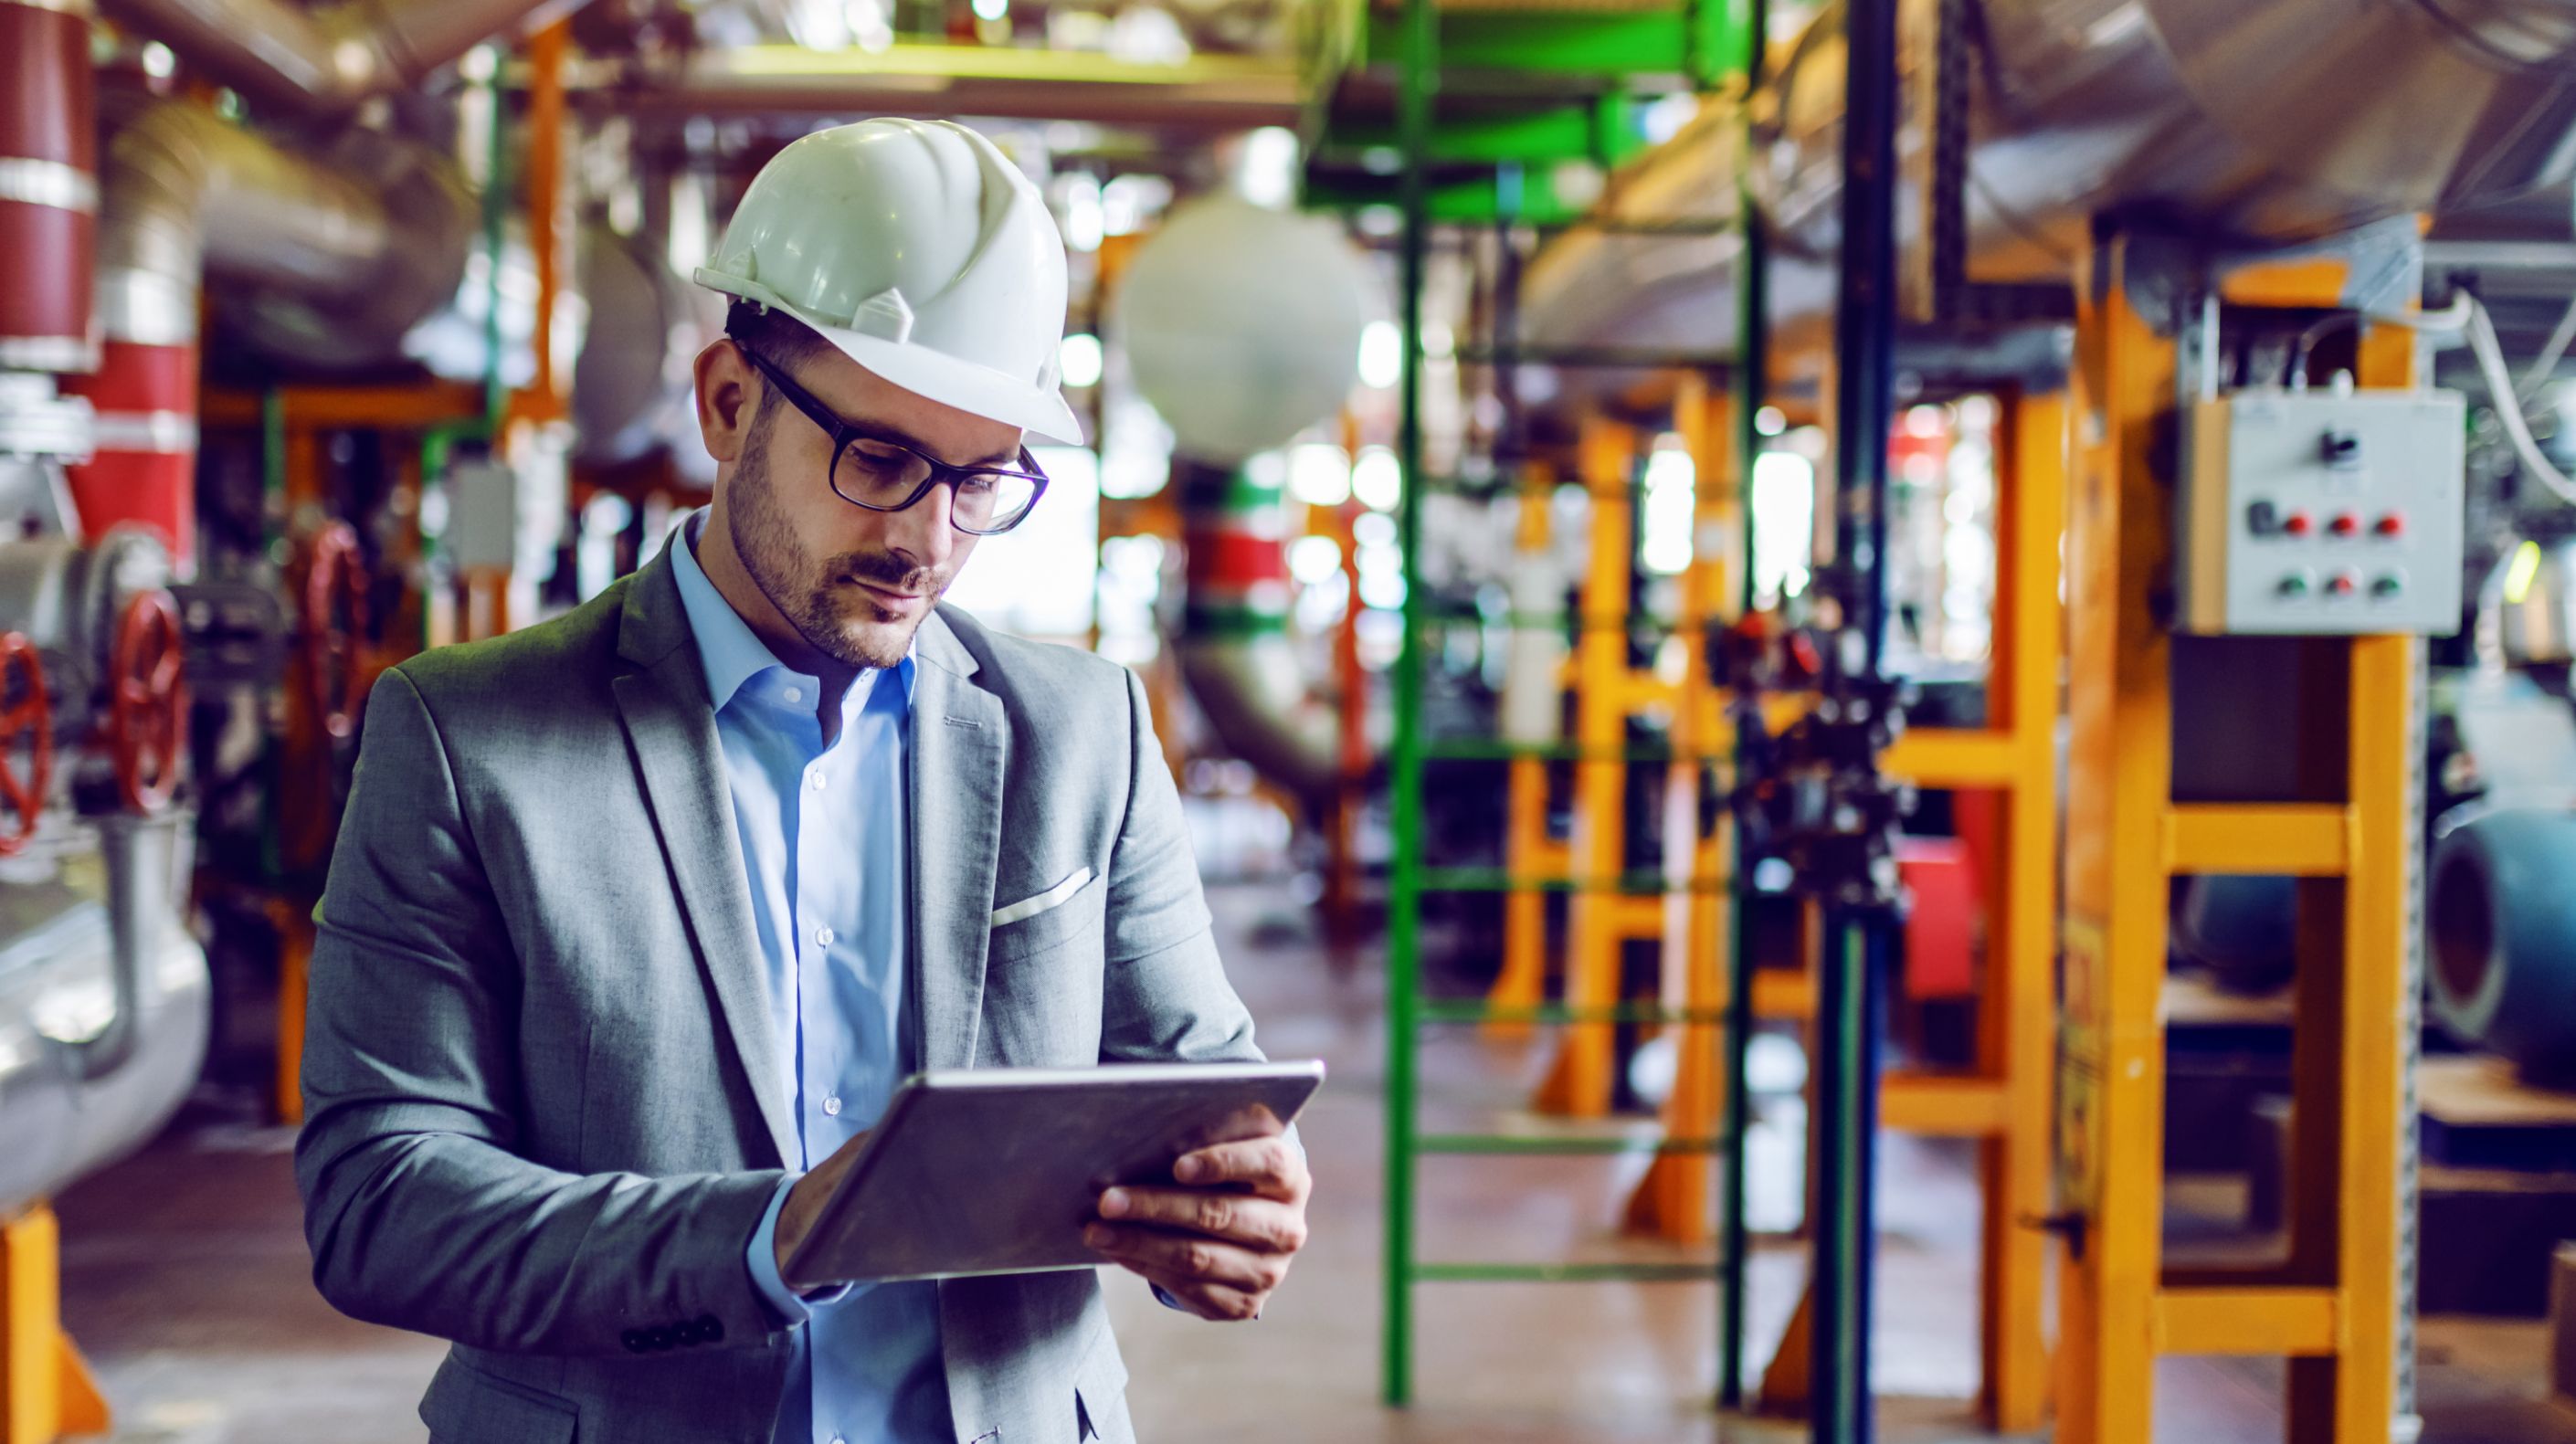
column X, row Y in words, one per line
column 1219, row 1241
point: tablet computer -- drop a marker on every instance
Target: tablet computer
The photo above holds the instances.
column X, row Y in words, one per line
column 997, row 1170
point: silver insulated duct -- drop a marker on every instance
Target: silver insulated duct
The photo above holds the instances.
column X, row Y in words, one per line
column 324, row 62
column 2260, row 121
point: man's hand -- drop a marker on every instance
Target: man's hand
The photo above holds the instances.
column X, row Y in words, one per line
column 1220, row 1240
column 805, row 1200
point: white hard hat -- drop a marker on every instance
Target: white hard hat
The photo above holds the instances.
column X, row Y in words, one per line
column 923, row 254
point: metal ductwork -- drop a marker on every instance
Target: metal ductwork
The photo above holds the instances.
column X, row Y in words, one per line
column 2254, row 121
column 324, row 63
column 332, row 257
column 103, row 1000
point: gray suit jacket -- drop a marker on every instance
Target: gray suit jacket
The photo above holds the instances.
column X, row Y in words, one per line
column 537, row 1049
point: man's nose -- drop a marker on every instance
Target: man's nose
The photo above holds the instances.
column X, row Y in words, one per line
column 923, row 531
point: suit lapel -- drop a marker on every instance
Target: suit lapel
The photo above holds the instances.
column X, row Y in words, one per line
column 671, row 730
column 958, row 752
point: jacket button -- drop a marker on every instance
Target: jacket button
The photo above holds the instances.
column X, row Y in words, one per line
column 657, row 1339
column 633, row 1339
column 710, row 1329
column 684, row 1333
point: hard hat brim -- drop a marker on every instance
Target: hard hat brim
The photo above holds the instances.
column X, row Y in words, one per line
column 1041, row 411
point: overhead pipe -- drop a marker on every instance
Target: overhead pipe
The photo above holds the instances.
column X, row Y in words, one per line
column 325, row 63
column 331, row 260
column 2265, row 122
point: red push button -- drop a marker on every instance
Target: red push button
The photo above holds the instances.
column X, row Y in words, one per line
column 2297, row 524
column 2344, row 584
column 2391, row 525
column 2344, row 525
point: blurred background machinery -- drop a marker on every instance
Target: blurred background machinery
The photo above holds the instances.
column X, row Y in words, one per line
column 1652, row 518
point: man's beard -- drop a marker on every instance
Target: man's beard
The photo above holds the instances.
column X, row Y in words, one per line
column 837, row 618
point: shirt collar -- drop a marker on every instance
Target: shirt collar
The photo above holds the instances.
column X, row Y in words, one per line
column 731, row 652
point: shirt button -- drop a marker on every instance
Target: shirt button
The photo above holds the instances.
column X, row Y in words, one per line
column 832, row 1107
column 824, row 937
column 819, row 780
column 794, row 694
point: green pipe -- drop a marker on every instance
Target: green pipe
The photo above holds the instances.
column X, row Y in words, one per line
column 1413, row 130
column 1752, row 359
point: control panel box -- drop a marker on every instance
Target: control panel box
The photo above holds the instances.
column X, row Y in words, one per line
column 2322, row 513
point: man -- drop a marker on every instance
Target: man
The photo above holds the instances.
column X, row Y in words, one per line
column 639, row 915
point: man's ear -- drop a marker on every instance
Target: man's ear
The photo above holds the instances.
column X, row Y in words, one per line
column 725, row 402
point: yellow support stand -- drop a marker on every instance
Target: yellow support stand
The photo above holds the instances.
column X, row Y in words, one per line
column 2331, row 1310
column 1580, row 1084
column 1528, row 851
column 46, row 1392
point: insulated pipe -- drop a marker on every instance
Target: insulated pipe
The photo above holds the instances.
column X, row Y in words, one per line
column 48, row 185
column 2250, row 121
column 1234, row 647
column 324, row 63
column 103, row 1003
column 329, row 261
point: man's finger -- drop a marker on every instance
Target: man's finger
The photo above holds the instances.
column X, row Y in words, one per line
column 1208, row 1301
column 1248, row 1219
column 1194, row 1260
column 1269, row 1166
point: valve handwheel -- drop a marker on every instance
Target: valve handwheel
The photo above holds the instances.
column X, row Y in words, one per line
column 147, row 706
column 24, row 712
column 336, row 580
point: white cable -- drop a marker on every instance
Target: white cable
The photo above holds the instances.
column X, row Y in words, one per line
column 2499, row 378
column 2539, row 370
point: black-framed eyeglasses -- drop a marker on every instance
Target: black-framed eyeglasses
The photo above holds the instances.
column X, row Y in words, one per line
column 882, row 474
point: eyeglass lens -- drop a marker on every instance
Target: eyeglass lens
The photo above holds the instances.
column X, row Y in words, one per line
column 878, row 474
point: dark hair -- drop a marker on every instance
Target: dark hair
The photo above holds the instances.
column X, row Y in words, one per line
column 774, row 334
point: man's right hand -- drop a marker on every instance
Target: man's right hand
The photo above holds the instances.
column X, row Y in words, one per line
column 805, row 1200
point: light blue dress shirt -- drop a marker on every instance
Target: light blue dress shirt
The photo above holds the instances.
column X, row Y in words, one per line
column 823, row 838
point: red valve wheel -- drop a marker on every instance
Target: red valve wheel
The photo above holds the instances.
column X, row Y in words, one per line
column 147, row 707
column 334, row 582
column 23, row 712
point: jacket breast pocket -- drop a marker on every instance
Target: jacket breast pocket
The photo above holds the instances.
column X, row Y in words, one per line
column 464, row 1405
column 1040, row 922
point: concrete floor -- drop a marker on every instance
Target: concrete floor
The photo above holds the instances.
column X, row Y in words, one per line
column 185, row 1281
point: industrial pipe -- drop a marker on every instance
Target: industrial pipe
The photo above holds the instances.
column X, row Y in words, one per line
column 2267, row 121
column 324, row 63
column 103, row 1002
column 48, row 186
column 331, row 260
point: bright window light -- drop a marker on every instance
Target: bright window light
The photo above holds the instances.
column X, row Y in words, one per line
column 1671, row 506
column 1784, row 524
column 1381, row 355
column 1377, row 479
column 1313, row 560
column 1086, row 219
column 991, row 9
column 1319, row 474
column 1037, row 578
column 1080, row 360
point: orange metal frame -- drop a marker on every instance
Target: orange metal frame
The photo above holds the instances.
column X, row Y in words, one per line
column 2005, row 1103
column 46, row 1391
column 2331, row 1309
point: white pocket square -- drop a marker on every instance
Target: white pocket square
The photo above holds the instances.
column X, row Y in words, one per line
column 1031, row 907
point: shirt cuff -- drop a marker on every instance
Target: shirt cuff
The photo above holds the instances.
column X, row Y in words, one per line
column 786, row 1305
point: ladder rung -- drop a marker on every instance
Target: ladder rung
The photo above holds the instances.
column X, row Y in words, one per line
column 1628, row 884
column 2292, row 1322
column 1560, row 1146
column 1473, row 749
column 1451, row 1010
column 1588, row 1273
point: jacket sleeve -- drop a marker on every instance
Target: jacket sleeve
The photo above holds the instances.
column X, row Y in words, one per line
column 1166, row 996
column 419, row 1210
